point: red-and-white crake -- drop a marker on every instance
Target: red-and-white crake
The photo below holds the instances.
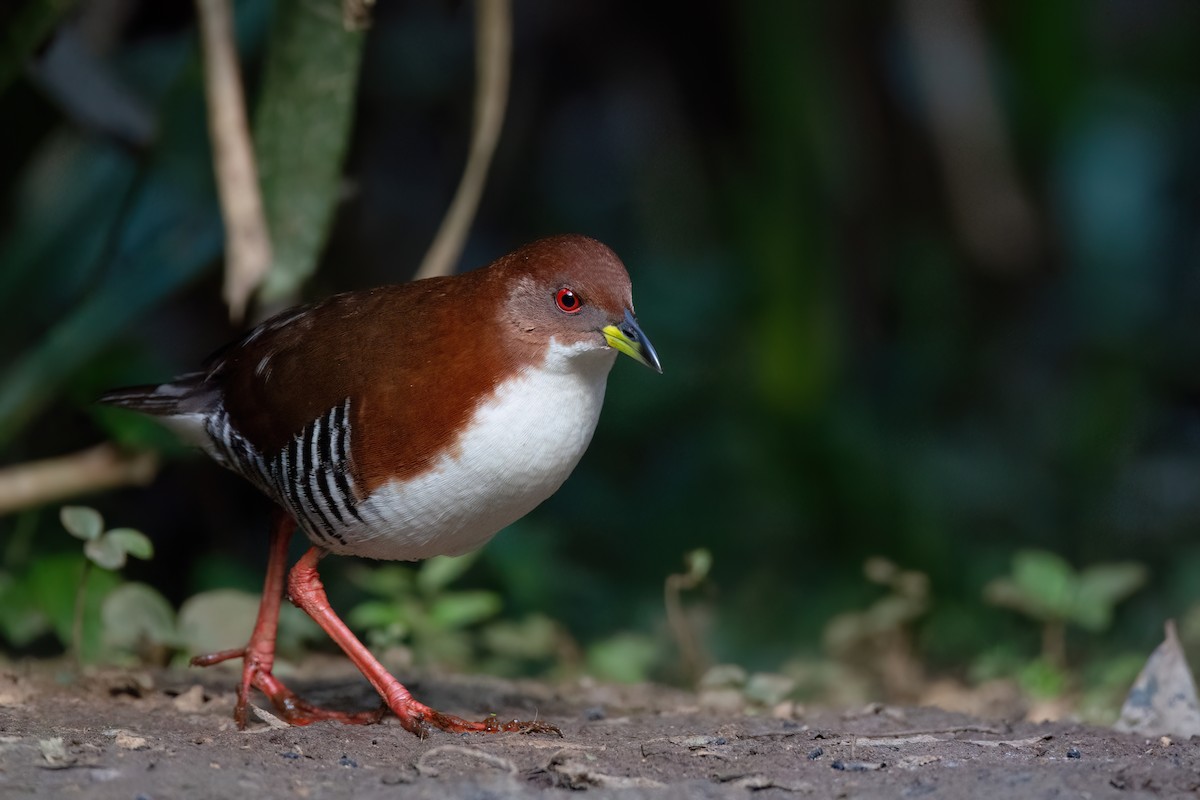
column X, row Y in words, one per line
column 406, row 422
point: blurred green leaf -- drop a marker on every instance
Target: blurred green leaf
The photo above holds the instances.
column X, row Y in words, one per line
column 536, row 636
column 1047, row 580
column 1047, row 588
column 1042, row 679
column 105, row 553
column 132, row 542
column 21, row 621
column 1001, row 660
column 220, row 619
column 82, row 522
column 301, row 131
column 459, row 609
column 134, row 614
column 383, row 637
column 1042, row 585
column 1101, row 588
column 445, row 647
column 383, row 580
column 624, row 657
column 439, row 572
column 375, row 614
column 53, row 582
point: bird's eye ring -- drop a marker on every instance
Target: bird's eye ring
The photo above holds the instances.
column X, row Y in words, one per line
column 568, row 301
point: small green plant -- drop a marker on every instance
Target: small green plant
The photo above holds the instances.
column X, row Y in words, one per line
column 625, row 657
column 108, row 550
column 417, row 606
column 416, row 610
column 1045, row 587
column 98, row 616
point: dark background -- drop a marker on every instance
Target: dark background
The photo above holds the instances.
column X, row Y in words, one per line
column 924, row 282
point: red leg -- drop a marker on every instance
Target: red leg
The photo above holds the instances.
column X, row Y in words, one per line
column 307, row 592
column 258, row 656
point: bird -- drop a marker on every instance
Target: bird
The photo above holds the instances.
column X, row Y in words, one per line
column 402, row 423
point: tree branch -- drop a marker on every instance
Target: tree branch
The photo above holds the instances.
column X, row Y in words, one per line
column 247, row 240
column 493, row 56
column 101, row 467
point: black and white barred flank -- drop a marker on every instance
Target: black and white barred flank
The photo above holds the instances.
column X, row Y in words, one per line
column 310, row 477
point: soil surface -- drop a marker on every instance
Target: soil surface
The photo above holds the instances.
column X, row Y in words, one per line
column 143, row 736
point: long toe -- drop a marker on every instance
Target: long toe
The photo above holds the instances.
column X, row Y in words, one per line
column 298, row 711
column 211, row 659
column 421, row 720
column 301, row 712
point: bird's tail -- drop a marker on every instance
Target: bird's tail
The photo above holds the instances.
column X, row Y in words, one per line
column 187, row 394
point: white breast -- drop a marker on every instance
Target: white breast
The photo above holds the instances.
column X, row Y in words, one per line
column 516, row 451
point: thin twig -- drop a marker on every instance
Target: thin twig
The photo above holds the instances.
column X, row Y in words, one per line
column 427, row 770
column 685, row 637
column 493, row 32
column 690, row 654
column 247, row 241
column 37, row 483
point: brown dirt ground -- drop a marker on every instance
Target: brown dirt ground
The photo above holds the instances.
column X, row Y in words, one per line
column 141, row 736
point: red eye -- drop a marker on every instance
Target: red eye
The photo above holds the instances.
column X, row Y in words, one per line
column 568, row 301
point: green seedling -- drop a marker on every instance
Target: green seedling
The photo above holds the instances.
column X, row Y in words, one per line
column 1045, row 587
column 418, row 606
column 108, row 550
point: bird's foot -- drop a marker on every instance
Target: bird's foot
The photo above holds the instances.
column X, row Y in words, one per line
column 298, row 711
column 256, row 671
column 421, row 720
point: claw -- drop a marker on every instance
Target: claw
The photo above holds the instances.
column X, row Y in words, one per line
column 493, row 725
